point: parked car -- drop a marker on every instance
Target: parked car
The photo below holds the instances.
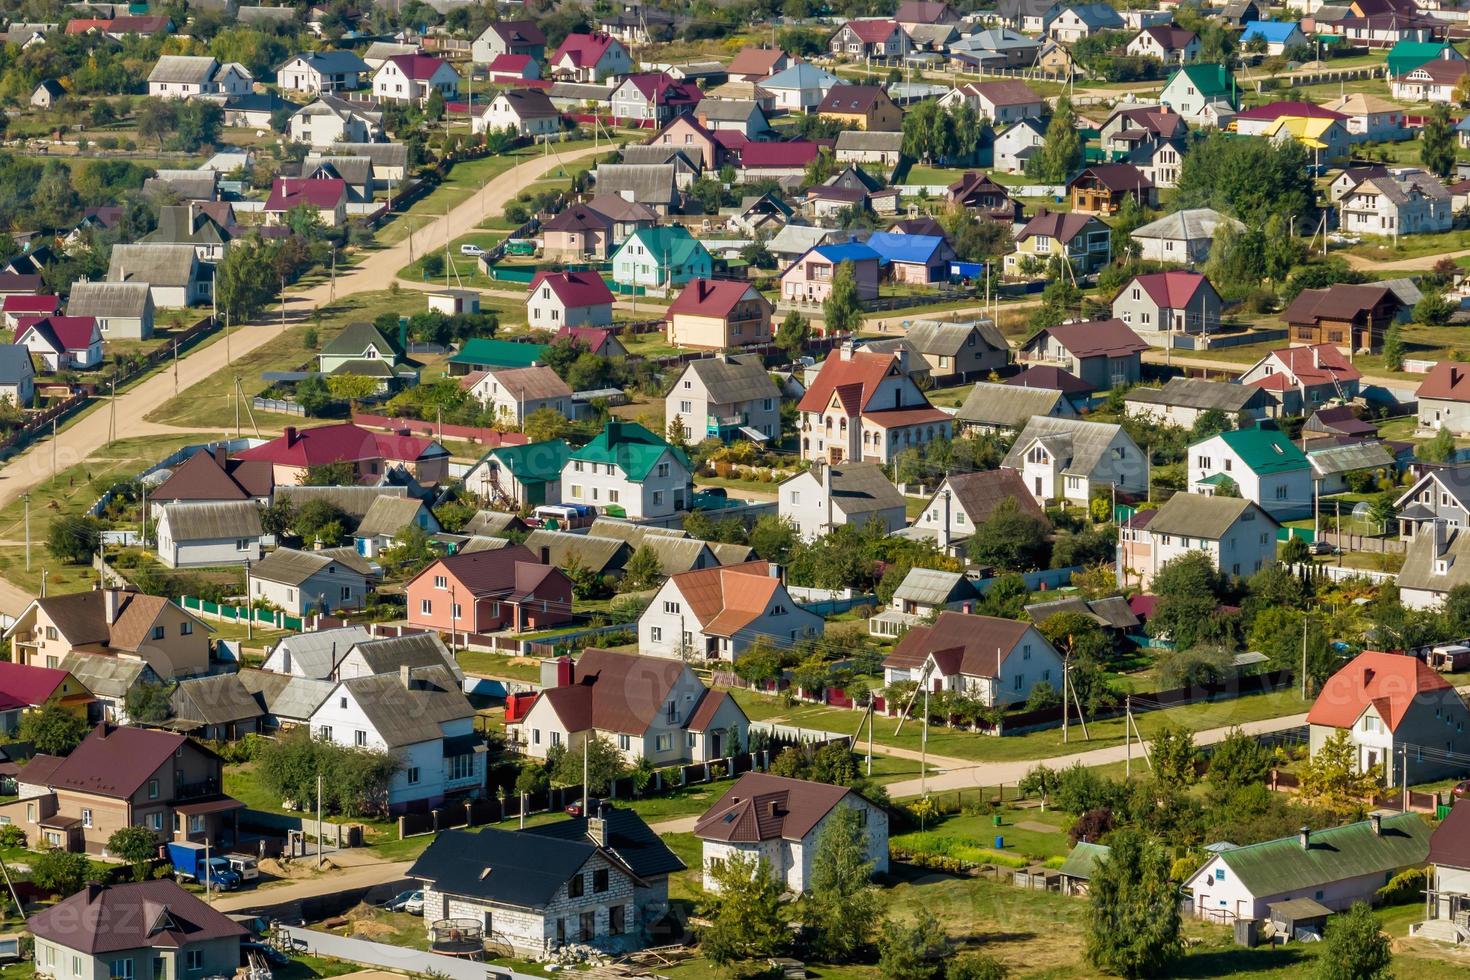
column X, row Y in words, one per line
column 243, row 865
column 470, row 248
column 411, row 902
column 1461, row 790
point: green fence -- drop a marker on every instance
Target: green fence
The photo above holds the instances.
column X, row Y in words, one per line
column 238, row 614
column 1284, row 534
column 522, row 275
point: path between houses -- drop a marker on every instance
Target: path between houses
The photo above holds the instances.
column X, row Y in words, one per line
column 360, row 876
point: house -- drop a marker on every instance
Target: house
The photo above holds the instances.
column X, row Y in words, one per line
column 1302, row 379
column 865, row 107
column 17, row 376
column 1071, row 459
column 361, row 348
column 1191, row 89
column 828, row 496
column 1263, row 465
column 125, row 777
column 297, row 451
column 801, row 87
column 1002, row 102
column 1169, row 302
column 1432, row 565
column 1070, row 23
column 993, row 48
column 882, row 149
column 1238, row 535
column 520, row 476
column 313, row 655
column 597, row 880
column 577, row 234
column 957, row 350
column 1405, row 56
column 413, row 78
column 653, row 96
column 175, row 276
column 859, row 40
column 627, row 471
column 1017, row 144
column 46, row 94
column 24, row 688
column 685, row 141
column 602, row 341
column 305, row 582
column 1181, row 401
column 386, row 517
column 1184, row 236
column 980, row 193
column 865, row 407
column 654, row 185
column 208, row 475
column 322, row 73
column 377, row 53
column 420, row 716
column 1171, row 45
column 1448, row 890
column 190, row 224
column 1371, row 117
column 1025, row 15
column 649, row 707
column 993, row 407
column 330, row 121
column 1400, row 202
column 324, row 199
column 61, row 343
column 503, row 589
column 527, row 112
column 390, row 655
column 124, row 929
column 200, row 534
column 808, row 280
column 913, row 259
column 996, row 661
column 122, row 310
column 215, row 708
column 1101, row 188
column 513, row 68
column 662, row 257
column 1103, row 353
column 753, row 64
column 1334, row 463
column 177, row 76
column 744, row 117
column 922, row 595
column 1277, row 35
column 1082, row 239
column 484, row 353
column 1335, row 868
column 716, row 613
column 1341, row 420
column 717, row 314
column 513, row 394
column 1342, row 315
column 725, row 397
column 1444, row 398
column 518, row 38
column 778, row 820
column 590, row 58
column 568, row 299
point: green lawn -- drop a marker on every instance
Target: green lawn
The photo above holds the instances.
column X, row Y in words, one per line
column 499, row 665
column 1410, row 246
column 972, row 836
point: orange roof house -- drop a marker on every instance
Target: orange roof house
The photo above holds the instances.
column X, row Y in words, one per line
column 716, row 613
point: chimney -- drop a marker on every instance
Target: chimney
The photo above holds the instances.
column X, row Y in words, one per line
column 614, row 431
column 967, row 608
column 317, row 545
column 1305, row 837
column 102, row 731
column 405, row 676
column 218, row 452
column 1367, row 676
column 776, row 571
column 845, row 351
column 94, row 888
column 597, row 826
column 1377, row 820
column 545, row 555
column 566, row 672
column 1455, row 376
column 702, row 288
column 290, row 435
column 1316, row 357
column 111, row 601
column 944, row 520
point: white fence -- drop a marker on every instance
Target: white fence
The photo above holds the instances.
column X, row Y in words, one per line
column 1339, row 573
column 411, row 961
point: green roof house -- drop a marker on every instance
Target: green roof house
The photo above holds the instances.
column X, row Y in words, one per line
column 661, row 257
column 482, row 354
column 1334, row 867
column 1262, row 465
column 520, row 476
column 1076, row 870
column 627, row 471
column 362, row 348
column 1193, row 87
column 1405, row 56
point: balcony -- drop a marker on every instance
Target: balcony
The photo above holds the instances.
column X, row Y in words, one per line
column 194, row 791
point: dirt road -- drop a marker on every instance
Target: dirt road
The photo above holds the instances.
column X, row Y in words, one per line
column 1424, row 262
column 362, row 876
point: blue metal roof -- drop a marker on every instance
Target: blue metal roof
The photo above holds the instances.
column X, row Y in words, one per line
column 1274, row 31
column 904, row 248
column 801, row 75
column 846, row 252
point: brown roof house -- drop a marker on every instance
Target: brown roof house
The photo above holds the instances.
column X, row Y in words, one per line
column 135, row 929
column 995, row 660
column 116, row 623
column 124, row 777
column 778, row 820
column 1444, row 397
column 1082, row 239
column 964, row 501
column 1101, row 188
column 716, row 613
column 862, row 107
column 1103, row 353
column 210, row 476
column 1449, row 880
column 649, row 707
column 1343, row 315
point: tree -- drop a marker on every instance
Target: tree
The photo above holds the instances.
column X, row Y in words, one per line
column 1354, row 947
column 313, row 395
column 773, row 538
column 352, row 387
column 1247, row 179
column 354, row 781
column 318, row 518
column 245, row 280
column 136, row 845
column 1439, row 449
column 149, row 703
column 976, row 966
column 1189, row 589
column 59, row 872
column 1134, row 928
column 544, row 424
column 74, row 540
column 340, row 474
column 1239, row 760
column 747, row 919
column 1437, row 141
column 914, row 952
column 1173, row 755
column 643, row 570
column 1331, row 777
column 1010, row 540
column 604, row 764
column 1061, row 151
column 1433, row 309
column 792, row 335
column 52, row 729
column 842, row 311
column 842, row 906
column 1393, row 348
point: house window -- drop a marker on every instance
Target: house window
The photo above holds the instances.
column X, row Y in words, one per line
column 671, row 607
column 441, row 581
column 157, row 635
column 413, row 775
column 153, row 789
column 1020, row 682
column 456, row 610
column 195, row 960
column 658, row 497
column 461, row 766
column 656, row 634
column 186, row 629
column 599, row 880
column 556, row 738
column 625, row 742
column 155, row 821
column 663, row 469
column 360, row 738
column 86, row 818
column 326, row 732
column 577, row 886
column 196, row 823
column 662, row 743
column 1219, row 874
column 426, row 606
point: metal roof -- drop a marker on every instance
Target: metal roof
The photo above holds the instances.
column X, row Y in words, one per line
column 1008, row 406
column 931, row 587
column 1276, row 867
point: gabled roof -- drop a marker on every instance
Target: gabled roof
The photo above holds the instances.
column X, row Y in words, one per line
column 915, row 249
column 291, row 192
column 872, row 31
column 1095, row 338
column 1009, row 92
column 1449, row 845
column 22, row 685
column 1082, row 860
column 727, row 599
column 109, row 299
column 288, row 566
column 81, row 618
column 1060, row 226
column 970, row 645
column 61, row 333
column 711, row 297
column 390, row 654
column 864, row 369
column 1340, row 301
column 206, row 520
column 1079, row 444
column 1391, row 682
column 932, row 587
column 1198, row 515
column 1175, row 289
column 1446, row 381
column 860, row 488
column 535, row 462
column 482, row 572
column 214, row 700
column 1337, row 854
column 388, row 515
column 413, row 713
column 578, row 217
column 801, row 76
column 15, row 364
column 854, row 98
column 631, row 448
column 104, row 675
column 356, row 338
column 317, row 653
column 981, row 492
column 1197, row 393
column 518, row 32
column 333, row 62
column 1272, row 31
column 1190, row 224
column 493, row 352
column 615, row 692
column 629, row 839
column 341, row 442
column 660, row 88
column 1276, row 110
column 731, row 378
column 419, row 67
column 761, row 807
column 157, row 914
column 583, row 50
column 158, row 264
column 755, row 61
column 116, row 761
column 574, row 289
column 529, row 103
column 1115, row 177
column 1315, row 365
column 1169, row 37
column 1264, row 450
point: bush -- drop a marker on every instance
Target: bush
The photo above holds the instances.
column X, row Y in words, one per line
column 12, row 836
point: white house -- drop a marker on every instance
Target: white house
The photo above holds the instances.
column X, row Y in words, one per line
column 800, row 88
column 17, row 376
column 302, row 582
column 528, row 112
column 413, row 77
column 322, row 72
column 314, row 654
column 123, row 310
column 1263, row 464
column 209, row 533
column 1171, row 45
column 1404, row 201
column 924, row 593
column 176, row 76
column 590, row 58
column 865, row 406
column 1018, row 143
column 1238, row 535
column 329, row 121
column 650, row 708
column 1181, row 401
column 512, row 394
column 964, row 501
column 727, row 396
column 627, row 471
column 1184, row 236
column 61, row 342
column 716, row 613
column 779, row 820
column 826, row 496
column 386, row 516
column 1444, row 398
column 568, row 299
column 998, row 661
column 1071, row 459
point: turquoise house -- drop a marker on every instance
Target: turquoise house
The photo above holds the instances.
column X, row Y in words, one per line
column 661, row 257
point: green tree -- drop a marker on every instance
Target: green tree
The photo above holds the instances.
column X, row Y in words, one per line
column 354, row 781
column 59, row 872
column 352, row 388
column 747, row 918
column 1061, row 151
column 341, row 474
column 1439, row 449
column 643, row 571
column 604, row 765
column 1437, row 141
column 318, row 518
column 149, row 703
column 1354, row 947
column 136, row 845
column 52, row 729
column 1134, row 927
column 1237, row 761
column 1433, row 309
column 74, row 540
column 773, row 538
column 1393, row 348
column 916, row 951
column 918, row 130
column 976, row 966
column 1173, row 754
column 544, row 424
column 244, row 280
column 1010, row 540
column 1189, row 589
column 842, row 907
column 1247, row 179
column 842, row 311
column 1331, row 777
column 792, row 335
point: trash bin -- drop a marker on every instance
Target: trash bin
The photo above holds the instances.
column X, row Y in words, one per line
column 1000, row 842
column 995, row 820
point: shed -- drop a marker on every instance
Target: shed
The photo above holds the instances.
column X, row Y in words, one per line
column 1076, row 870
column 1302, row 919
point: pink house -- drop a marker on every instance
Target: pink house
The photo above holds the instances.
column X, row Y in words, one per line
column 326, row 197
column 809, row 279
column 486, row 591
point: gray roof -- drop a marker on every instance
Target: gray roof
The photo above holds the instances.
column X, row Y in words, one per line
column 931, row 587
column 480, row 542
column 861, row 488
column 183, row 69
column 202, row 521
column 1201, row 516
column 649, row 183
column 1333, row 460
column 797, row 239
column 597, row 553
column 15, row 364
column 1007, row 406
column 1187, row 225
column 657, row 153
column 385, row 654
column 333, row 62
column 949, row 337
column 608, row 527
column 1112, row 612
column 729, row 110
column 316, row 653
column 733, row 378
column 1081, row 444
column 382, row 154
column 383, row 50
column 187, row 184
column 388, row 515
column 861, row 139
column 155, row 264
column 731, row 554
column 258, row 15
column 352, row 501
column 109, row 299
column 677, row 555
column 1418, row 571
column 356, row 169
column 490, row 522
column 1197, row 393
column 1407, row 291
column 288, row 566
column 109, row 677
column 287, row 698
column 406, row 715
column 215, row 700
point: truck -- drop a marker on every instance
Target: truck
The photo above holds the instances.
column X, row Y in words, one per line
column 193, row 862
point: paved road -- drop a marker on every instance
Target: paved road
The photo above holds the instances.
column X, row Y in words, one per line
column 362, row 876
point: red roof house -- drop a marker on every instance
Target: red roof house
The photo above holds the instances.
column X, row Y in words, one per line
column 873, row 406
column 576, row 299
column 588, row 57
column 61, row 341
column 602, row 341
column 210, row 475
column 22, row 686
column 487, row 591
column 325, row 196
column 513, row 67
column 371, row 454
column 715, row 314
column 790, row 156
column 18, row 305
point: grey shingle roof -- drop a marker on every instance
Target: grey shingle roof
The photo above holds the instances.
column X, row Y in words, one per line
column 1201, row 516
column 727, row 110
column 183, row 69
column 597, row 553
column 409, row 715
column 15, row 364
column 215, row 700
column 1007, row 406
column 1189, row 224
column 288, row 698
column 352, row 501
column 386, row 654
column 1418, row 571
column 110, row 677
column 155, row 264
column 315, row 654
column 1081, row 444
column 108, row 299
column 734, row 378
column 861, row 488
column 931, row 587
column 202, row 521
column 287, row 566
column 382, row 154
column 648, row 183
column 1346, row 459
column 861, row 139
column 1196, row 393
column 387, row 516
column 490, row 522
column 949, row 337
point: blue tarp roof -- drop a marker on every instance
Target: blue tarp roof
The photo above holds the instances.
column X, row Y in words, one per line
column 1274, row 31
column 846, row 252
column 904, row 248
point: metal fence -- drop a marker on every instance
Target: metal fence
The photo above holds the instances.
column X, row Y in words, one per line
column 238, row 614
column 402, row 959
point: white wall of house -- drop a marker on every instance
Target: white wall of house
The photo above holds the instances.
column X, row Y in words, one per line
column 1227, row 898
column 1439, row 413
column 791, row 860
column 663, row 492
column 803, row 500
column 668, row 628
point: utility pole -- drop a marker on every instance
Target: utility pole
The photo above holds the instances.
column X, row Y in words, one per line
column 112, row 416
column 1066, row 666
column 176, row 367
column 53, row 451
column 1304, row 656
column 249, row 612
column 1128, row 736
column 586, row 773
column 27, row 498
column 924, row 750
column 318, row 820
